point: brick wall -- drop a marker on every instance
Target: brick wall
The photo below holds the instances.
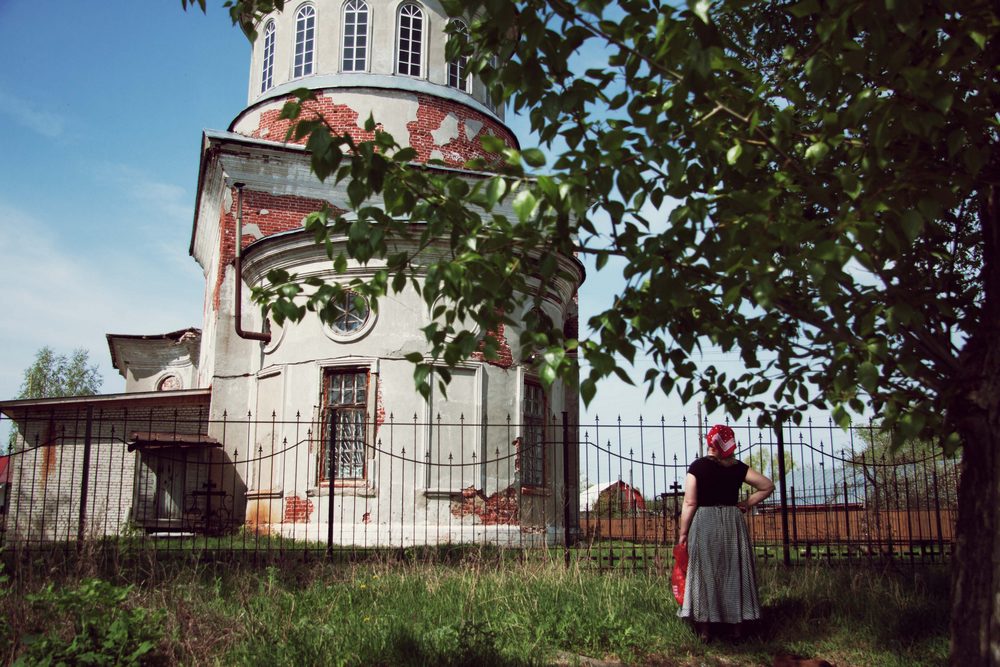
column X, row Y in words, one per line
column 431, row 113
column 47, row 470
column 264, row 214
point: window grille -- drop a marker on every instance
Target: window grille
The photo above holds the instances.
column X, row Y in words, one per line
column 532, row 453
column 342, row 456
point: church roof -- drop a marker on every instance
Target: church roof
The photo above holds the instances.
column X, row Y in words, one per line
column 162, row 346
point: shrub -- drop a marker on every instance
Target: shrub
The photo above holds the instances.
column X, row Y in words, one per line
column 91, row 624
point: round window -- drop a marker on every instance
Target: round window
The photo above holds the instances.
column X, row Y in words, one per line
column 169, row 383
column 348, row 317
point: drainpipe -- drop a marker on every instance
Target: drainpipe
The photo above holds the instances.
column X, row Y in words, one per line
column 249, row 335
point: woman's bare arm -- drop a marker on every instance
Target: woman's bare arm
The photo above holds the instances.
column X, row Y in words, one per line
column 764, row 488
column 690, row 505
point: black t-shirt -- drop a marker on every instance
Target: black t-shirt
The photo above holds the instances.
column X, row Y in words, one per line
column 718, row 484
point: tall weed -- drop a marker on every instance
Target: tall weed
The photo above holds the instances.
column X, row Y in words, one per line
column 89, row 624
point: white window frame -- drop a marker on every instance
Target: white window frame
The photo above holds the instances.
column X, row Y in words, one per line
column 488, row 97
column 413, row 47
column 305, row 35
column 355, row 9
column 267, row 61
column 458, row 70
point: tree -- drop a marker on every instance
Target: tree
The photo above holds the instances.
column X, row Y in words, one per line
column 812, row 184
column 58, row 375
column 910, row 475
column 767, row 463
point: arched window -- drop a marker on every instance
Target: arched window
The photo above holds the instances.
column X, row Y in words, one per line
column 305, row 41
column 410, row 38
column 267, row 69
column 458, row 69
column 355, row 36
column 490, row 104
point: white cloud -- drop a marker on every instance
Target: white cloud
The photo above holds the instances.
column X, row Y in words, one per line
column 28, row 115
column 161, row 202
column 56, row 295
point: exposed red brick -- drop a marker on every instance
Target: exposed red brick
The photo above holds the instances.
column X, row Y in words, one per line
column 272, row 214
column 431, row 112
column 297, row 510
column 505, row 358
column 501, row 508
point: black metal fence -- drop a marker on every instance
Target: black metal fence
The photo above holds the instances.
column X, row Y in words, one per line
column 606, row 494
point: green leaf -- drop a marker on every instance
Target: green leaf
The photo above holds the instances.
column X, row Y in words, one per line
column 734, row 153
column 588, row 389
column 701, row 8
column 356, row 193
column 495, row 190
column 534, row 157
column 524, row 205
column 868, row 376
column 817, row 151
column 912, row 223
column 805, row 8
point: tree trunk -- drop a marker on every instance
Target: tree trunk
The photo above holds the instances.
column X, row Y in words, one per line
column 975, row 603
column 974, row 411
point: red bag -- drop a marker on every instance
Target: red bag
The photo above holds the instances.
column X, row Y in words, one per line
column 679, row 575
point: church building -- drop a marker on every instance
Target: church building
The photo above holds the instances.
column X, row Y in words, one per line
column 291, row 430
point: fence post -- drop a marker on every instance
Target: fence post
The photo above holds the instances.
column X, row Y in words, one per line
column 566, row 473
column 331, row 476
column 784, row 496
column 85, row 481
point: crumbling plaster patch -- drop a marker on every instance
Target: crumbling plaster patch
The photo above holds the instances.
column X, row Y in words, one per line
column 447, row 130
column 404, row 111
column 472, row 128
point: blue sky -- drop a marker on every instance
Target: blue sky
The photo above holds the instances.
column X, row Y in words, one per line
column 102, row 105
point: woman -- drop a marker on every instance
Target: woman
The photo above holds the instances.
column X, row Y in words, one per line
column 721, row 584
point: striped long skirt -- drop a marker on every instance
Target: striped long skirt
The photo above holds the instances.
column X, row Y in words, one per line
column 721, row 582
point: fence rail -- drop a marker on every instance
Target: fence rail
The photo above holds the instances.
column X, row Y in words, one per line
column 169, row 480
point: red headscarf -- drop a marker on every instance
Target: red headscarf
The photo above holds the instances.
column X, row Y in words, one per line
column 723, row 439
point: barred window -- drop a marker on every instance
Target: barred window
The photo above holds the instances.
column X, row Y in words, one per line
column 532, row 454
column 355, row 36
column 305, row 41
column 458, row 69
column 342, row 455
column 267, row 69
column 410, row 36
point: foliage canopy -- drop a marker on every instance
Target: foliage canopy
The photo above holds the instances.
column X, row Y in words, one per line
column 797, row 182
column 54, row 374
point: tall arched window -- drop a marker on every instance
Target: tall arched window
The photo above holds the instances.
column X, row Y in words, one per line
column 410, row 40
column 355, row 36
column 458, row 69
column 490, row 104
column 267, row 68
column 305, row 41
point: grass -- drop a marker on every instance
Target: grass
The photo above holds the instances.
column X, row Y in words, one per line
column 469, row 611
